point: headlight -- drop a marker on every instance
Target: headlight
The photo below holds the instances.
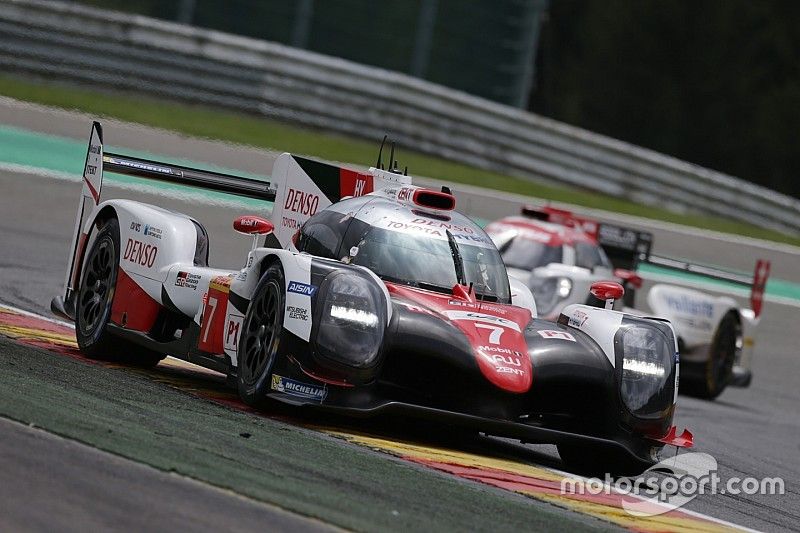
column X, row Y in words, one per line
column 549, row 292
column 351, row 321
column 647, row 363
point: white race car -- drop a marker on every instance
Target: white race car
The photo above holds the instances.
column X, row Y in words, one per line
column 559, row 255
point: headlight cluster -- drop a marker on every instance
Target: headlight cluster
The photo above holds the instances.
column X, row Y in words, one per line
column 351, row 321
column 647, row 385
column 548, row 292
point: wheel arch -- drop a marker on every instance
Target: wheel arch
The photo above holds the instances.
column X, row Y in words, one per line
column 103, row 214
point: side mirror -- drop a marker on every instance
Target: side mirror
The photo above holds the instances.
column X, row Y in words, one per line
column 253, row 225
column 607, row 291
column 628, row 277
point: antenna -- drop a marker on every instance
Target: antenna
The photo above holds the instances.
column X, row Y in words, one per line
column 379, row 164
column 391, row 157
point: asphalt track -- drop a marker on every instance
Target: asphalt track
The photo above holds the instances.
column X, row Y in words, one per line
column 121, row 487
column 751, row 432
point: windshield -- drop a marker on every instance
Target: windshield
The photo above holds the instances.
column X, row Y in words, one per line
column 428, row 263
column 527, row 254
column 589, row 256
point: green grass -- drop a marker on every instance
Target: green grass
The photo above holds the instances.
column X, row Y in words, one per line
column 214, row 123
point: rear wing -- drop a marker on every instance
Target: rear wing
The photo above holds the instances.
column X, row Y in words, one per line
column 628, row 248
column 98, row 161
column 299, row 187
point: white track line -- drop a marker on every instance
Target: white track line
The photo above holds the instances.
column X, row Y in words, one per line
column 36, row 315
column 168, row 192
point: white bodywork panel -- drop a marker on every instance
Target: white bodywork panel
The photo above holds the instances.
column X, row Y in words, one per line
column 521, row 296
column 581, row 278
column 152, row 241
column 296, row 200
column 186, row 284
column 297, row 273
column 600, row 324
column 695, row 315
column 298, row 197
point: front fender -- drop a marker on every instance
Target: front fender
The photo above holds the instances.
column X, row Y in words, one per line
column 303, row 274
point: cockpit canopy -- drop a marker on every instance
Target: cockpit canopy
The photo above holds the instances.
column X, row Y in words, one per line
column 405, row 245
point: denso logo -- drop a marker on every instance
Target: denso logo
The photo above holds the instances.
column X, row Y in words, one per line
column 301, row 288
column 301, row 202
column 140, row 253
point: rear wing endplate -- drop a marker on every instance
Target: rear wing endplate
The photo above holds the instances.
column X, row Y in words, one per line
column 98, row 161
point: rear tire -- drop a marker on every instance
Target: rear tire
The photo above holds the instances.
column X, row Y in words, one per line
column 260, row 338
column 717, row 372
column 94, row 300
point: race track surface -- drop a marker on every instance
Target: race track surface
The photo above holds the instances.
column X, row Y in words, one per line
column 90, row 490
column 751, row 432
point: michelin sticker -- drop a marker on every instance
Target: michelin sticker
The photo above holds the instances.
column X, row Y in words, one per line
column 296, row 388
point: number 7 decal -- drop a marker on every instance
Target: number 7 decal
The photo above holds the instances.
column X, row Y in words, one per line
column 212, row 304
column 496, row 332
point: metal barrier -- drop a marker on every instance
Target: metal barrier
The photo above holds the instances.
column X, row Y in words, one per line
column 73, row 42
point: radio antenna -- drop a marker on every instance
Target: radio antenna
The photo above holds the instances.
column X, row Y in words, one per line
column 379, row 164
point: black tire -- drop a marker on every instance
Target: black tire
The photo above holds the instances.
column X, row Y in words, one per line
column 93, row 306
column 717, row 372
column 260, row 338
column 593, row 461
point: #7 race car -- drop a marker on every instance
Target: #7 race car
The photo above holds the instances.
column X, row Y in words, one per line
column 559, row 254
column 368, row 295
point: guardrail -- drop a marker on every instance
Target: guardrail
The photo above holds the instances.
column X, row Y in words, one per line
column 91, row 46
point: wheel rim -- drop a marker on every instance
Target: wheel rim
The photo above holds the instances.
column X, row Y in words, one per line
column 261, row 334
column 96, row 289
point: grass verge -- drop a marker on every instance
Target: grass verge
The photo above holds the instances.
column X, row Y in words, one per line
column 214, row 123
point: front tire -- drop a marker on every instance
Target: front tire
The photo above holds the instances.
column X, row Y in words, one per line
column 95, row 298
column 717, row 372
column 260, row 338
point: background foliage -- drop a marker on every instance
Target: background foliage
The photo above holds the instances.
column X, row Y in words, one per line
column 714, row 82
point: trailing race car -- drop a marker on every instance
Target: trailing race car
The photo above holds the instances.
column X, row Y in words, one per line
column 368, row 296
column 558, row 255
